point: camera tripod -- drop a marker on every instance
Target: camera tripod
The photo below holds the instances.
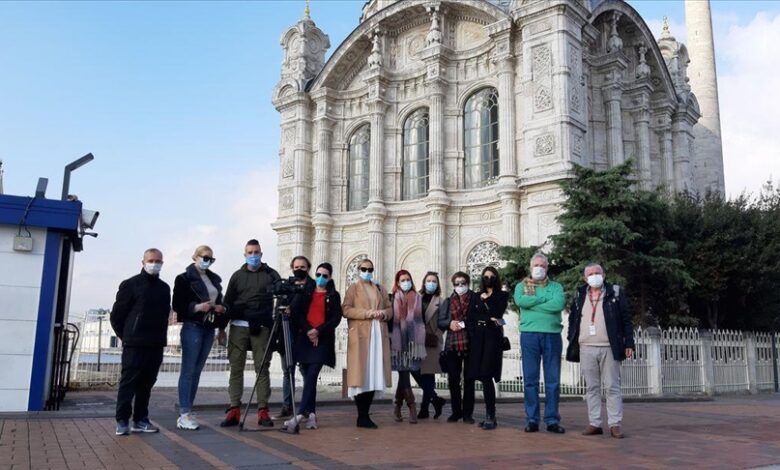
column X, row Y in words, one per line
column 280, row 318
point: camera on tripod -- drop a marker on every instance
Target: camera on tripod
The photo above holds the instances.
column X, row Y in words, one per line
column 284, row 289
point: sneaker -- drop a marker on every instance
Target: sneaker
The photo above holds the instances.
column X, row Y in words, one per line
column 188, row 422
column 232, row 417
column 122, row 428
column 144, row 425
column 311, row 423
column 263, row 418
column 290, row 423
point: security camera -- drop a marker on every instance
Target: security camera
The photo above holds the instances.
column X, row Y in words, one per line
column 88, row 218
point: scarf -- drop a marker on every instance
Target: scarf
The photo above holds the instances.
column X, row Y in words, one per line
column 459, row 305
column 529, row 285
column 408, row 337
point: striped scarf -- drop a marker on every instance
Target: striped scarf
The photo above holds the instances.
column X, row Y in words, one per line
column 408, row 337
column 459, row 305
column 529, row 285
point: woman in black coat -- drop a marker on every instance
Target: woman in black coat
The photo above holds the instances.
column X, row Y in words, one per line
column 315, row 313
column 486, row 336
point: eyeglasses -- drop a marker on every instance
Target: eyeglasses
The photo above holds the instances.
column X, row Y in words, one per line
column 322, row 275
column 208, row 259
column 367, row 270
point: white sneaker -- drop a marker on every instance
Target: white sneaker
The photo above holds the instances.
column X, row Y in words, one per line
column 290, row 423
column 312, row 422
column 188, row 422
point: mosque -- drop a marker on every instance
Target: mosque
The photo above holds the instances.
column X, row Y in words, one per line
column 439, row 130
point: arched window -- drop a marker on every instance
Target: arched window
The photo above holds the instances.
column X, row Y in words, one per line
column 480, row 139
column 359, row 149
column 415, row 158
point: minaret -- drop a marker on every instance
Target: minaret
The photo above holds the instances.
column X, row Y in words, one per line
column 708, row 153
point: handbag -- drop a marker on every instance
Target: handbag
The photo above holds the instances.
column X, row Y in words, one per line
column 431, row 340
column 505, row 344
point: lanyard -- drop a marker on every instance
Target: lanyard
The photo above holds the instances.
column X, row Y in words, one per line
column 593, row 305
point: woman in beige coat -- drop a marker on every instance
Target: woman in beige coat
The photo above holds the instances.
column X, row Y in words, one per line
column 367, row 309
column 425, row 378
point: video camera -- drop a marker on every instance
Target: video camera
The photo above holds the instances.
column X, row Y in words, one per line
column 284, row 289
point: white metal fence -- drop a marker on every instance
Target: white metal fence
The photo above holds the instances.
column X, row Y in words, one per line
column 667, row 362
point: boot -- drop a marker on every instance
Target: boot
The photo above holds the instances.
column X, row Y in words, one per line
column 490, row 422
column 399, row 400
column 409, row 394
column 438, row 406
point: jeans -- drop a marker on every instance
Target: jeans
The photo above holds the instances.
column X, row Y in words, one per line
column 139, row 373
column 427, row 383
column 308, row 404
column 545, row 348
column 196, row 342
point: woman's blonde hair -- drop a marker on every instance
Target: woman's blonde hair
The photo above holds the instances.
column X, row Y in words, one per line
column 200, row 250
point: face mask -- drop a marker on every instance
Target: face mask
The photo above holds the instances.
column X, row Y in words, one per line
column 430, row 287
column 253, row 260
column 460, row 290
column 204, row 265
column 596, row 281
column 538, row 273
column 405, row 285
column 299, row 274
column 321, row 281
column 152, row 268
column 366, row 276
column 488, row 282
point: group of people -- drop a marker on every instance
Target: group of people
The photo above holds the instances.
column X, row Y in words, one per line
column 415, row 332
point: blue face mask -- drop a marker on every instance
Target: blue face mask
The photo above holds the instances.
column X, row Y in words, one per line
column 253, row 260
column 366, row 276
column 321, row 281
column 405, row 285
column 430, row 287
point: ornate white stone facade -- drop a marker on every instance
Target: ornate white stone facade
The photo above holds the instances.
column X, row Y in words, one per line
column 568, row 81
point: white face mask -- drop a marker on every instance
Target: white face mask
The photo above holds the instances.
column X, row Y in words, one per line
column 153, row 268
column 538, row 273
column 405, row 285
column 460, row 290
column 596, row 281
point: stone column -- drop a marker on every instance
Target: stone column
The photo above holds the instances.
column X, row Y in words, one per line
column 375, row 213
column 683, row 173
column 654, row 361
column 376, row 158
column 642, row 131
column 506, row 120
column 436, row 90
column 438, row 233
column 322, row 220
column 613, row 94
column 707, row 364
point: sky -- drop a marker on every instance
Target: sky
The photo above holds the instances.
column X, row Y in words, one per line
column 174, row 100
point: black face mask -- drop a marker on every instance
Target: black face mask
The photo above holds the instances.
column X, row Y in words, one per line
column 299, row 274
column 488, row 282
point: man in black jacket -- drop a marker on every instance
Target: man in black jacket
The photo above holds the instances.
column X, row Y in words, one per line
column 140, row 319
column 601, row 336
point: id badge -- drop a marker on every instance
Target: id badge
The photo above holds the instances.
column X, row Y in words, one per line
column 592, row 330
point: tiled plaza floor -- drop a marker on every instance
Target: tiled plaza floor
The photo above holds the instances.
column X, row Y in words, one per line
column 727, row 433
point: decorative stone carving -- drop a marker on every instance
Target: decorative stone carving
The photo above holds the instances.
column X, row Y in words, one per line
column 544, row 145
column 542, row 62
column 539, row 27
column 614, row 44
column 481, row 256
column 543, row 99
column 642, row 69
column 375, row 58
column 575, row 101
column 286, row 199
column 434, row 35
column 542, row 197
column 351, row 273
column 579, row 143
column 304, row 46
column 469, row 35
column 287, row 167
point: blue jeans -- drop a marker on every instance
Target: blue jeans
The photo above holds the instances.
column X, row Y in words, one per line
column 544, row 348
column 196, row 342
column 311, row 373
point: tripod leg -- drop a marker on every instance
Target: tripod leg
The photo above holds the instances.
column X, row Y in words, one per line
column 265, row 358
column 290, row 365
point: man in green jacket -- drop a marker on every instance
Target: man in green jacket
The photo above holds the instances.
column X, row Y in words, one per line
column 541, row 301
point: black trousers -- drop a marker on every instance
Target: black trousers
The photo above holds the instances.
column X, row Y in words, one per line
column 139, row 373
column 427, row 383
column 457, row 365
column 489, row 392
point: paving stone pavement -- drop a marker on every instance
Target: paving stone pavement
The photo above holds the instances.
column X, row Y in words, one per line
column 727, row 433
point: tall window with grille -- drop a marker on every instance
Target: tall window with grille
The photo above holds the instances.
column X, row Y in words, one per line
column 480, row 139
column 414, row 173
column 359, row 151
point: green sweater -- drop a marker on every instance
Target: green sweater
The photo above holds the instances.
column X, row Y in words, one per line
column 541, row 313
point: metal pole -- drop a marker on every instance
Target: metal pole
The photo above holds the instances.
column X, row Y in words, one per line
column 774, row 360
column 100, row 337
